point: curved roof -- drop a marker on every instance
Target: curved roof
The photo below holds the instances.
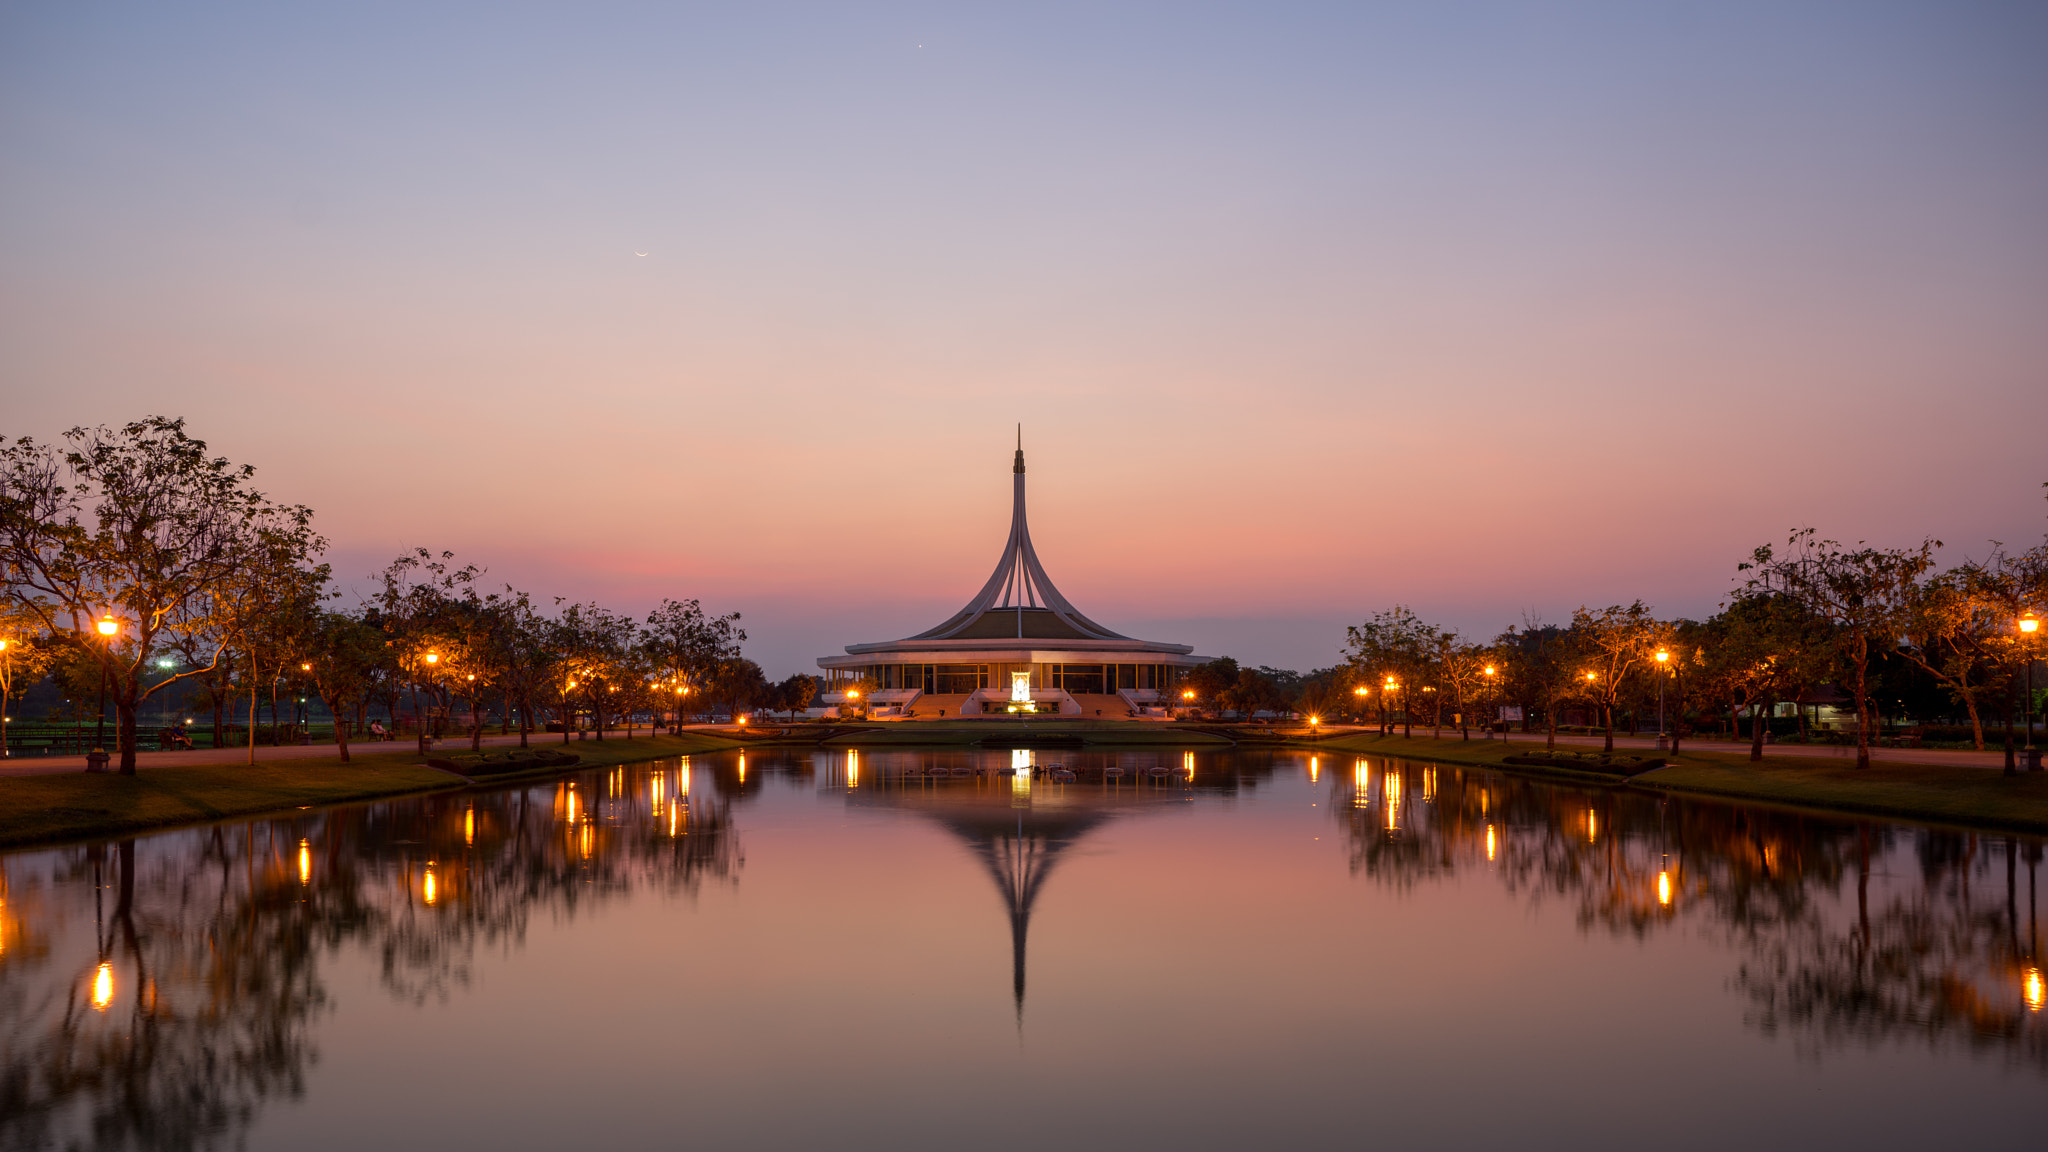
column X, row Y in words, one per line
column 1019, row 602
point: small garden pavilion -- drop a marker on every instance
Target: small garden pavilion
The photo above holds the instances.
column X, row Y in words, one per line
column 1017, row 648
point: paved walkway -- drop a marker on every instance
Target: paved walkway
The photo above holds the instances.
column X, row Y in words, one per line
column 1956, row 757
column 52, row 765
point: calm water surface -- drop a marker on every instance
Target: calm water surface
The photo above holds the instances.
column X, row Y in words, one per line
column 797, row 950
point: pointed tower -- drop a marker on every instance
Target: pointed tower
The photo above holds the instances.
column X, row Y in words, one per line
column 1018, row 631
column 1019, row 601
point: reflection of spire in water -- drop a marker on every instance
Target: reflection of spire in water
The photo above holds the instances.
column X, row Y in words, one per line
column 1020, row 862
column 1018, row 838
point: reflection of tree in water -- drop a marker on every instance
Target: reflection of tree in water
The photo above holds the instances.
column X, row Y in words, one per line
column 212, row 940
column 1851, row 933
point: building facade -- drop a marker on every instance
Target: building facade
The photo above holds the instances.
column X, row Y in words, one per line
column 1018, row 647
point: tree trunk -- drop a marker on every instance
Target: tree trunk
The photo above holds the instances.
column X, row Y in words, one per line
column 1607, row 714
column 220, row 709
column 124, row 725
column 1756, row 731
column 419, row 722
column 1862, row 705
column 340, row 730
column 252, row 712
column 2011, row 761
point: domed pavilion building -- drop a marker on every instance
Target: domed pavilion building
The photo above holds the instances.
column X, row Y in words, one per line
column 1018, row 648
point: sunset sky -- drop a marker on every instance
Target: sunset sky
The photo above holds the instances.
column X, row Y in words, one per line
column 1306, row 310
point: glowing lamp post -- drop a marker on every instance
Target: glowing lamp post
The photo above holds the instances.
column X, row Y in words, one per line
column 108, row 628
column 431, row 659
column 2029, row 625
column 1493, row 680
column 1663, row 660
column 6, row 682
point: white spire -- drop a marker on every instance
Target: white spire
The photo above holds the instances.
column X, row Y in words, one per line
column 1019, row 584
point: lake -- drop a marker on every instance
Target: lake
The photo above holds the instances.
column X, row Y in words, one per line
column 1181, row 949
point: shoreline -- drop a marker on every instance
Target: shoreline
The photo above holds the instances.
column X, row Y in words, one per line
column 1967, row 796
column 52, row 808
column 49, row 809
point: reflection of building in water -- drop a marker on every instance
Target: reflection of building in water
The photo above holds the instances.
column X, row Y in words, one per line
column 1017, row 647
column 1018, row 828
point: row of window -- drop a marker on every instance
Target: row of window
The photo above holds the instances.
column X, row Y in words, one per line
column 958, row 679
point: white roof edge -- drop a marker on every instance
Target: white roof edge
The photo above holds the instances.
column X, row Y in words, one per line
column 1013, row 656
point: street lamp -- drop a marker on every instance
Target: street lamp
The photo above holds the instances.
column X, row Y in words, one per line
column 108, row 629
column 1492, row 677
column 425, row 736
column 2028, row 626
column 1663, row 658
column 6, row 682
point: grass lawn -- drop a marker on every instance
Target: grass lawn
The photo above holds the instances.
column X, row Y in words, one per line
column 73, row 806
column 1958, row 795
